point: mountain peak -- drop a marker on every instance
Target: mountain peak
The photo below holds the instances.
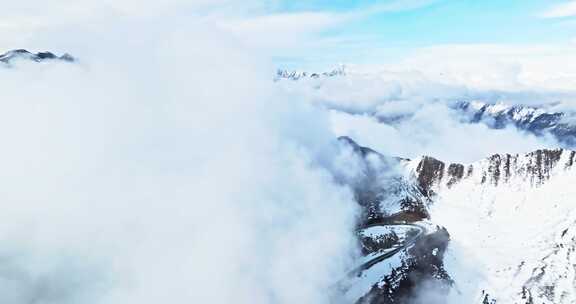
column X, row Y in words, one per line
column 22, row 54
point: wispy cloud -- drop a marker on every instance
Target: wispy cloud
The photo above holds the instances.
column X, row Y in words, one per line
column 290, row 33
column 399, row 6
column 283, row 30
column 563, row 10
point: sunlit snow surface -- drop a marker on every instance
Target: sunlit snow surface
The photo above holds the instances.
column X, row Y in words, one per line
column 511, row 237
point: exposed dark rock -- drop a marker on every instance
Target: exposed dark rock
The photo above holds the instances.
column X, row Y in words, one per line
column 469, row 171
column 455, row 173
column 495, row 161
column 486, row 299
column 429, row 171
column 543, row 162
column 570, row 159
column 508, row 166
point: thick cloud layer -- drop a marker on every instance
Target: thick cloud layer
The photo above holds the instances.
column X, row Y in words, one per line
column 183, row 178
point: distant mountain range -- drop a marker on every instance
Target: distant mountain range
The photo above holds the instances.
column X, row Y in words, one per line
column 532, row 119
column 282, row 74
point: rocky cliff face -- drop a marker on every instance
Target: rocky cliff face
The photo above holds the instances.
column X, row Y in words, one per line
column 534, row 168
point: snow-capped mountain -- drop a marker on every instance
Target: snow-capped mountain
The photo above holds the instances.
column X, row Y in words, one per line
column 532, row 168
column 511, row 220
column 508, row 218
column 509, row 235
column 532, row 119
column 21, row 54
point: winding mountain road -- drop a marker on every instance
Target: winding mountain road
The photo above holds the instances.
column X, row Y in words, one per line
column 389, row 254
column 345, row 284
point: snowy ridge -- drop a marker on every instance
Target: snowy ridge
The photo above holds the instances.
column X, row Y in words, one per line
column 533, row 168
column 511, row 222
column 532, row 119
column 510, row 219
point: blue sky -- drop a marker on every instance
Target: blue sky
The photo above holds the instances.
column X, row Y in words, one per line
column 414, row 24
column 322, row 33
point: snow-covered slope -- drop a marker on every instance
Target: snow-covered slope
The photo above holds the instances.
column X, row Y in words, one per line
column 511, row 220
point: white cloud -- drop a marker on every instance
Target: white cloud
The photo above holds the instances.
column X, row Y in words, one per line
column 283, row 31
column 497, row 66
column 398, row 6
column 435, row 131
column 413, row 98
column 562, row 10
column 168, row 172
column 301, row 33
column 24, row 23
